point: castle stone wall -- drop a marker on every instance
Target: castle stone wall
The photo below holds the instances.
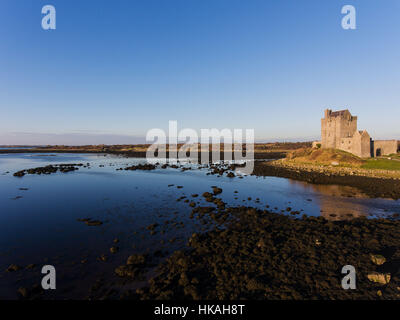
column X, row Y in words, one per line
column 366, row 142
column 339, row 131
column 385, row 147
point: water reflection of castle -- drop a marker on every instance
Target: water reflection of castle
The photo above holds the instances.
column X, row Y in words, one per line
column 336, row 202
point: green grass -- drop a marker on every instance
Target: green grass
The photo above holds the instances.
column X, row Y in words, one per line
column 384, row 164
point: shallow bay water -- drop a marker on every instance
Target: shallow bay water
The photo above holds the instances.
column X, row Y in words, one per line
column 39, row 213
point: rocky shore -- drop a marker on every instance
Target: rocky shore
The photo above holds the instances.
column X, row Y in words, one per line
column 375, row 183
column 263, row 255
column 243, row 252
column 249, row 253
column 256, row 254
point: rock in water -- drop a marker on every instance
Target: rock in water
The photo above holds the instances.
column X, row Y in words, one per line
column 217, row 190
column 13, row 268
column 114, row 249
column 378, row 259
column 136, row 259
column 23, row 292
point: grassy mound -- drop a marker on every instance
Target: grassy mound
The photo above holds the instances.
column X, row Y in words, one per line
column 325, row 157
column 382, row 163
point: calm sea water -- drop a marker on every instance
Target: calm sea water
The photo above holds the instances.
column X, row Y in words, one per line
column 39, row 225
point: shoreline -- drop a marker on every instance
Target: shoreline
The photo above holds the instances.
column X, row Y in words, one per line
column 137, row 154
column 261, row 255
column 375, row 183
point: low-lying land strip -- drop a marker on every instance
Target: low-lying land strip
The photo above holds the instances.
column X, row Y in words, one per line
column 261, row 150
column 376, row 177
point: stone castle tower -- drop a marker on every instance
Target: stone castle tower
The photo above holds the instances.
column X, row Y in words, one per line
column 339, row 131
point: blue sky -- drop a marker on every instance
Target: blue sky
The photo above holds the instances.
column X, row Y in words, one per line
column 112, row 70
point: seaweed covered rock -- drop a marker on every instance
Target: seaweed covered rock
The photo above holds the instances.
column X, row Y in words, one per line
column 135, row 266
column 49, row 169
column 136, row 259
column 13, row 268
column 147, row 166
column 263, row 255
column 217, row 190
column 127, row 271
column 381, row 278
column 378, row 259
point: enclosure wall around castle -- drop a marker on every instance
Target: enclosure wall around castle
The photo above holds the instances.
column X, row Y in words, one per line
column 385, row 147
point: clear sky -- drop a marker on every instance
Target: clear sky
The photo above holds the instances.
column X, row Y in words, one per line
column 112, row 70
